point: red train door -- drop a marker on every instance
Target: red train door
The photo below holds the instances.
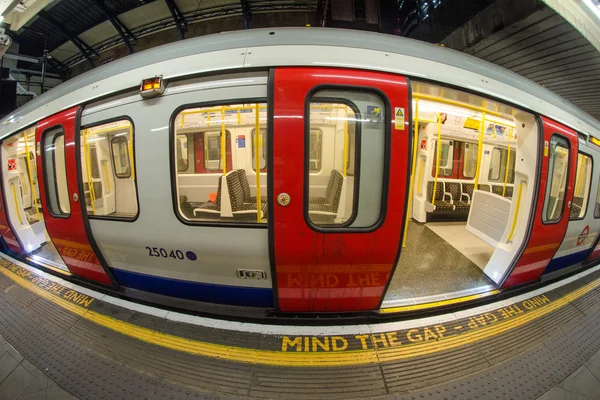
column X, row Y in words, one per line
column 556, row 185
column 340, row 165
column 59, row 192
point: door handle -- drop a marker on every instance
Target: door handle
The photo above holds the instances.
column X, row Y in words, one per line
column 283, row 199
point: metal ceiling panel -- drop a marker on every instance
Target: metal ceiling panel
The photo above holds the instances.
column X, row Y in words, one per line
column 545, row 48
column 144, row 15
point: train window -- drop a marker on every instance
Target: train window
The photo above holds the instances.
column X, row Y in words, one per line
column 120, row 156
column 262, row 147
column 446, row 159
column 108, row 170
column 499, row 163
column 316, row 149
column 181, row 148
column 345, row 154
column 469, row 156
column 583, row 179
column 55, row 171
column 222, row 187
column 495, row 165
column 558, row 170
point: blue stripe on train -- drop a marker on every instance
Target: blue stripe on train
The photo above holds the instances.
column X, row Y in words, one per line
column 566, row 261
column 207, row 292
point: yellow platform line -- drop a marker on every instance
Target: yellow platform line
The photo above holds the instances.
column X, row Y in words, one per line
column 436, row 304
column 301, row 359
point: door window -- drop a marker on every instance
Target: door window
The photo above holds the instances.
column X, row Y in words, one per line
column 446, row 159
column 55, row 171
column 108, row 170
column 556, row 187
column 344, row 153
column 470, row 153
column 583, row 179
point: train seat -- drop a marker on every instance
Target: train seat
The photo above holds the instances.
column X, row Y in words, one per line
column 246, row 188
column 239, row 208
column 210, row 209
column 441, row 204
column 576, row 207
column 455, row 189
column 328, row 206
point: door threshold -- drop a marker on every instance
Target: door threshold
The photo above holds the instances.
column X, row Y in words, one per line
column 440, row 300
column 49, row 265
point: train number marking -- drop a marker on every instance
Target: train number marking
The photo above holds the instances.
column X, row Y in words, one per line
column 174, row 254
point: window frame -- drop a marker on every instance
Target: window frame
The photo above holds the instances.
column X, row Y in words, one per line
column 345, row 228
column 173, row 162
column 500, row 162
column 228, row 145
column 187, row 143
column 45, row 173
column 79, row 157
column 112, row 154
column 317, row 171
column 589, row 188
column 463, row 158
column 548, row 183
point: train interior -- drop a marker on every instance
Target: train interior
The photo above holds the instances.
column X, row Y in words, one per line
column 23, row 199
column 458, row 239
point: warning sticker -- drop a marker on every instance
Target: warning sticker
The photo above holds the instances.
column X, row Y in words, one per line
column 424, row 144
column 399, row 118
column 374, row 113
column 12, row 164
column 546, row 148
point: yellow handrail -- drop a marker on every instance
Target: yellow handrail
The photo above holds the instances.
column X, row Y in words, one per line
column 455, row 103
column 223, row 143
column 479, row 151
column 346, row 142
column 514, row 223
column 412, row 173
column 438, row 147
column 16, row 203
column 257, row 144
column 88, row 167
column 506, row 172
column 33, row 194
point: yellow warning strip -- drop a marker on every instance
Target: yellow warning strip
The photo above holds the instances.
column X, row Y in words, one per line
column 435, row 304
column 300, row 359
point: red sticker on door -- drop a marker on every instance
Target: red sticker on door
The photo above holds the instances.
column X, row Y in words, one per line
column 12, row 164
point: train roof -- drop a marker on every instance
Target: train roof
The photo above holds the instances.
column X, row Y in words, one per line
column 338, row 38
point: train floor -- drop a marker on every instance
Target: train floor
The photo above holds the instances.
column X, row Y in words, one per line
column 94, row 346
column 441, row 260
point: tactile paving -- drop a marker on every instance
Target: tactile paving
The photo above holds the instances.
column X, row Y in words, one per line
column 93, row 362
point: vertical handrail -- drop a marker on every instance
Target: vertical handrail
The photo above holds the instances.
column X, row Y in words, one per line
column 479, row 151
column 438, row 148
column 106, row 176
column 257, row 139
column 514, row 223
column 88, row 169
column 33, row 195
column 345, row 166
column 506, row 172
column 14, row 189
column 412, row 173
column 223, row 143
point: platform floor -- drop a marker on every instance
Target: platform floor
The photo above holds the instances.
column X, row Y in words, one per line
column 429, row 265
column 98, row 347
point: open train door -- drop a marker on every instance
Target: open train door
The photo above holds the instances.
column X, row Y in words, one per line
column 57, row 150
column 340, row 162
column 554, row 200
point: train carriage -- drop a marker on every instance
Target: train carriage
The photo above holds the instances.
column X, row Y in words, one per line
column 301, row 170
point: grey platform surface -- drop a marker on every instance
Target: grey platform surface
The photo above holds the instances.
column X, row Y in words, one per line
column 19, row 379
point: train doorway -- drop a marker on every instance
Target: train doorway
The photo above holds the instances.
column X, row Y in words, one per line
column 21, row 183
column 341, row 151
column 62, row 198
column 472, row 189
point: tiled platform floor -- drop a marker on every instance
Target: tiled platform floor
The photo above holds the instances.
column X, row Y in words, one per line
column 583, row 384
column 19, row 379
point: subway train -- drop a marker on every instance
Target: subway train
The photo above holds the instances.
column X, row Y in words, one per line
column 301, row 170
